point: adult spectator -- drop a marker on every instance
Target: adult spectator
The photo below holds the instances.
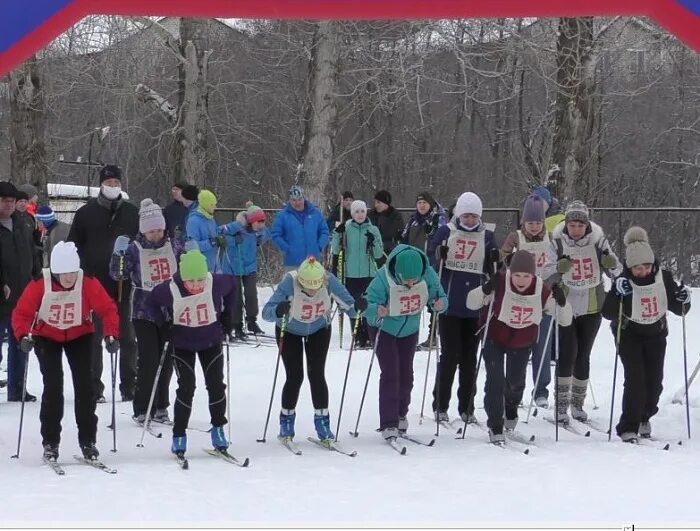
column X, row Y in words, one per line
column 18, row 263
column 428, row 217
column 299, row 230
column 334, row 218
column 21, row 208
column 202, row 229
column 388, row 220
column 95, row 228
column 175, row 213
column 32, row 197
column 52, row 232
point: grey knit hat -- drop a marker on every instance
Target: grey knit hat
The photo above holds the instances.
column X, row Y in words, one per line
column 637, row 248
column 523, row 262
column 577, row 211
column 533, row 210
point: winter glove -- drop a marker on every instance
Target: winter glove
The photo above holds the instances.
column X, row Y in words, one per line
column 441, row 252
column 370, row 242
column 112, row 344
column 623, row 286
column 683, row 294
column 226, row 320
column 283, row 308
column 488, row 286
column 191, row 245
column 121, row 244
column 608, row 261
column 360, row 304
column 563, row 265
column 494, row 258
column 218, row 241
column 559, row 295
column 340, row 229
column 437, row 305
column 26, row 344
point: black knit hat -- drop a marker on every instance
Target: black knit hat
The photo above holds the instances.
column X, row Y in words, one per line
column 383, row 197
column 21, row 196
column 190, row 192
column 7, row 189
column 180, row 185
column 110, row 171
column 425, row 196
column 348, row 195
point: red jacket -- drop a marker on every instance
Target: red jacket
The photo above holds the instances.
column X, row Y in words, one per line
column 507, row 336
column 95, row 298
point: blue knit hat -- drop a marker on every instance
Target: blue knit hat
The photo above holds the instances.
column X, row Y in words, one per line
column 46, row 216
column 296, row 192
column 544, row 193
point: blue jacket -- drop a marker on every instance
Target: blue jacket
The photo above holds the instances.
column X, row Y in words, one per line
column 285, row 291
column 201, row 229
column 242, row 249
column 458, row 284
column 300, row 234
column 378, row 295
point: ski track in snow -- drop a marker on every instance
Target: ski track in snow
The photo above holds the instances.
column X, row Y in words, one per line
column 457, row 481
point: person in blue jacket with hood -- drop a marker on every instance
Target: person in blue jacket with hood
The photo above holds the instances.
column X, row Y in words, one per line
column 303, row 300
column 467, row 251
column 243, row 237
column 299, row 230
column 201, row 227
column 396, row 297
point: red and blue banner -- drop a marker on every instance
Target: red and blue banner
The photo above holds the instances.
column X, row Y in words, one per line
column 28, row 25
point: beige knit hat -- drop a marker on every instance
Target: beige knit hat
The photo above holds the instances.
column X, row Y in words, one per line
column 637, row 248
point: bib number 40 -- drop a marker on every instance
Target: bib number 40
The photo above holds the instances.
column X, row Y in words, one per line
column 201, row 314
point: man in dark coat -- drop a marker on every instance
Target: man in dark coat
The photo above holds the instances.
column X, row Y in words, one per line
column 96, row 226
column 19, row 264
column 175, row 213
column 388, row 220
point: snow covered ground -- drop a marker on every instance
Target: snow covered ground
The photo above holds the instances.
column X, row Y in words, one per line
column 465, row 482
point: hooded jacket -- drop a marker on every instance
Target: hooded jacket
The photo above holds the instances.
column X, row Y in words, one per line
column 358, row 261
column 300, row 234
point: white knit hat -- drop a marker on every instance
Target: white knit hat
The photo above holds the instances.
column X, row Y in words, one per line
column 358, row 206
column 468, row 203
column 64, row 258
column 637, row 248
column 150, row 217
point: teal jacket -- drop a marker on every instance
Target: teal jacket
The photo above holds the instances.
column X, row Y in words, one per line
column 378, row 295
column 357, row 262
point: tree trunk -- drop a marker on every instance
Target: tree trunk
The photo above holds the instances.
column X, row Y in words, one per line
column 193, row 94
column 28, row 125
column 318, row 151
column 574, row 118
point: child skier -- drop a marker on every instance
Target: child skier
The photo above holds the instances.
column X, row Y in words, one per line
column 395, row 299
column 199, row 306
column 55, row 312
column 303, row 300
column 243, row 237
column 646, row 293
column 361, row 243
column 532, row 236
column 520, row 300
column 148, row 261
column 577, row 257
column 202, row 229
column 468, row 251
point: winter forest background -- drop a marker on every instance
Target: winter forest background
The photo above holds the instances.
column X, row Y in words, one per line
column 245, row 108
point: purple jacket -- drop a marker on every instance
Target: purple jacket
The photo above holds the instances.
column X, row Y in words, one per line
column 195, row 339
column 132, row 271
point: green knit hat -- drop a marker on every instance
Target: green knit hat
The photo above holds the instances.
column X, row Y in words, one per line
column 193, row 265
column 207, row 200
column 408, row 265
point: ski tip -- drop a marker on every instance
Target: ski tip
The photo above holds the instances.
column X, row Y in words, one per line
column 534, row 412
column 260, row 440
column 245, row 463
column 680, row 443
column 403, row 451
column 587, row 433
column 526, row 451
column 139, row 445
column 431, row 443
column 354, row 434
column 459, row 431
column 667, row 446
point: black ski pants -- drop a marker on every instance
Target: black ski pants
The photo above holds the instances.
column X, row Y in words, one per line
column 503, row 391
column 575, row 345
column 248, row 297
column 151, row 341
column 49, row 354
column 357, row 288
column 316, row 347
column 212, row 362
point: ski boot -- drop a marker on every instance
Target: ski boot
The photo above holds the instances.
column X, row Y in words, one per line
column 541, row 401
column 629, row 437
column 139, row 419
column 390, row 434
column 238, row 333
column 578, row 397
column 564, row 391
column 403, row 424
column 254, row 329
column 50, row 452
column 287, row 418
column 218, row 438
column 496, row 436
column 179, row 446
column 510, row 424
column 161, row 415
column 322, row 423
column 645, row 429
column 442, row 416
column 89, row 451
column 469, row 418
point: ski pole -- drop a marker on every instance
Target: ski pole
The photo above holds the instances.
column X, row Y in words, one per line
column 678, row 395
column 283, row 328
column 113, row 357
column 685, row 370
column 24, row 393
column 595, row 403
column 369, row 371
column 556, row 374
column 431, row 338
column 228, row 386
column 545, row 348
column 617, row 355
column 481, row 355
column 147, row 422
column 358, row 318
